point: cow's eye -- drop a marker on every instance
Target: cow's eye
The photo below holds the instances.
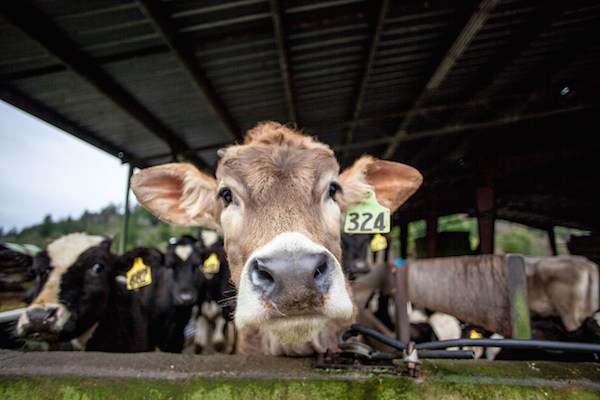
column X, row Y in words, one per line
column 334, row 187
column 226, row 195
column 97, row 268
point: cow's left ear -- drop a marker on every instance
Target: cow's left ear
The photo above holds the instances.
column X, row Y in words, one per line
column 178, row 193
column 392, row 182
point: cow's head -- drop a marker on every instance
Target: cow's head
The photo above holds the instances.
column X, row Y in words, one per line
column 73, row 275
column 280, row 201
column 180, row 259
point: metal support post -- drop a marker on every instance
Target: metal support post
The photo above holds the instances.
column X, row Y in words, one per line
column 125, row 227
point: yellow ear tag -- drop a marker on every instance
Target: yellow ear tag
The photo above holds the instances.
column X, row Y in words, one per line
column 211, row 264
column 378, row 243
column 473, row 334
column 368, row 216
column 139, row 275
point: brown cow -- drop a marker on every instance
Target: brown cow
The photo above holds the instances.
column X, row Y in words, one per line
column 280, row 201
column 564, row 286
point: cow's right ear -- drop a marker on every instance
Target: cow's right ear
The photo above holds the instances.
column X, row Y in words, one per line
column 178, row 193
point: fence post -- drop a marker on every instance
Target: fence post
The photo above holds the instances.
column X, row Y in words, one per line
column 401, row 300
column 518, row 297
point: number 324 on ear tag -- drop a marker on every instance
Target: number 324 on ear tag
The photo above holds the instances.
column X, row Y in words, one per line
column 368, row 216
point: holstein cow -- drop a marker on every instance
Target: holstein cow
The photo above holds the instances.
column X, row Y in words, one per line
column 280, row 201
column 80, row 299
column 214, row 323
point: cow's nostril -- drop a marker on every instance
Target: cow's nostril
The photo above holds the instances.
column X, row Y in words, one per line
column 52, row 312
column 261, row 277
column 321, row 271
column 42, row 318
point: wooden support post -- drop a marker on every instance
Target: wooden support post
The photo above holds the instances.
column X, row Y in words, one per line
column 404, row 239
column 518, row 297
column 432, row 225
column 552, row 241
column 485, row 219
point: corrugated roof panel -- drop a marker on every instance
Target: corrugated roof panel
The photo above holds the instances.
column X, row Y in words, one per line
column 163, row 88
column 92, row 111
column 105, row 28
column 19, row 53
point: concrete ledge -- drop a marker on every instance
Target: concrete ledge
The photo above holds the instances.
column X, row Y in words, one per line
column 78, row 375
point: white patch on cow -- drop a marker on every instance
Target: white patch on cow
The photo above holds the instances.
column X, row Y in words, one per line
column 251, row 311
column 445, row 326
column 209, row 237
column 183, row 251
column 218, row 337
column 415, row 316
column 492, row 352
column 63, row 253
column 202, row 332
column 81, row 342
column 596, row 317
column 121, row 280
column 210, row 309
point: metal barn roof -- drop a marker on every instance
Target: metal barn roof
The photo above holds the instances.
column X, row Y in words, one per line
column 500, row 93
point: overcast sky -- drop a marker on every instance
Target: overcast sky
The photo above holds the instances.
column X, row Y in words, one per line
column 47, row 171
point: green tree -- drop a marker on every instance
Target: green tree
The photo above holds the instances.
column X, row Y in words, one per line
column 516, row 242
column 47, row 226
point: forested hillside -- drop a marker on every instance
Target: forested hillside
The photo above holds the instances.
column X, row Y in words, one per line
column 144, row 228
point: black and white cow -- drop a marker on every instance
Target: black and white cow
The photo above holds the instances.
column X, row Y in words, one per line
column 81, row 300
column 214, row 323
column 169, row 298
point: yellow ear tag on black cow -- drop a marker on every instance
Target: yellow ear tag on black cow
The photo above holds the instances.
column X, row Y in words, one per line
column 473, row 334
column 139, row 275
column 378, row 243
column 368, row 216
column 211, row 264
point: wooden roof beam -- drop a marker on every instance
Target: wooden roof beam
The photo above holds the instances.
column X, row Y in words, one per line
column 470, row 30
column 366, row 73
column 521, row 41
column 283, row 55
column 460, row 128
column 158, row 16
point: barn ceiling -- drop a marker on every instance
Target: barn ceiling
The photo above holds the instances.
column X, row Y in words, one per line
column 493, row 93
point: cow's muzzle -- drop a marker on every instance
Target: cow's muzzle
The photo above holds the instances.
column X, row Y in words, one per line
column 39, row 323
column 292, row 283
column 291, row 287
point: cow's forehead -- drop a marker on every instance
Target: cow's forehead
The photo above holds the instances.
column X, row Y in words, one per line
column 274, row 145
column 64, row 251
column 260, row 166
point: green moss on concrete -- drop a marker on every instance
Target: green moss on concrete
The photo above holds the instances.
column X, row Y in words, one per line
column 376, row 387
column 523, row 370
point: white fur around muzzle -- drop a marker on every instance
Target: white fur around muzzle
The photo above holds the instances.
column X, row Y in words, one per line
column 251, row 311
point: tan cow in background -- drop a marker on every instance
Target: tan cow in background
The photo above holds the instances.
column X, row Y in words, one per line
column 280, row 201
